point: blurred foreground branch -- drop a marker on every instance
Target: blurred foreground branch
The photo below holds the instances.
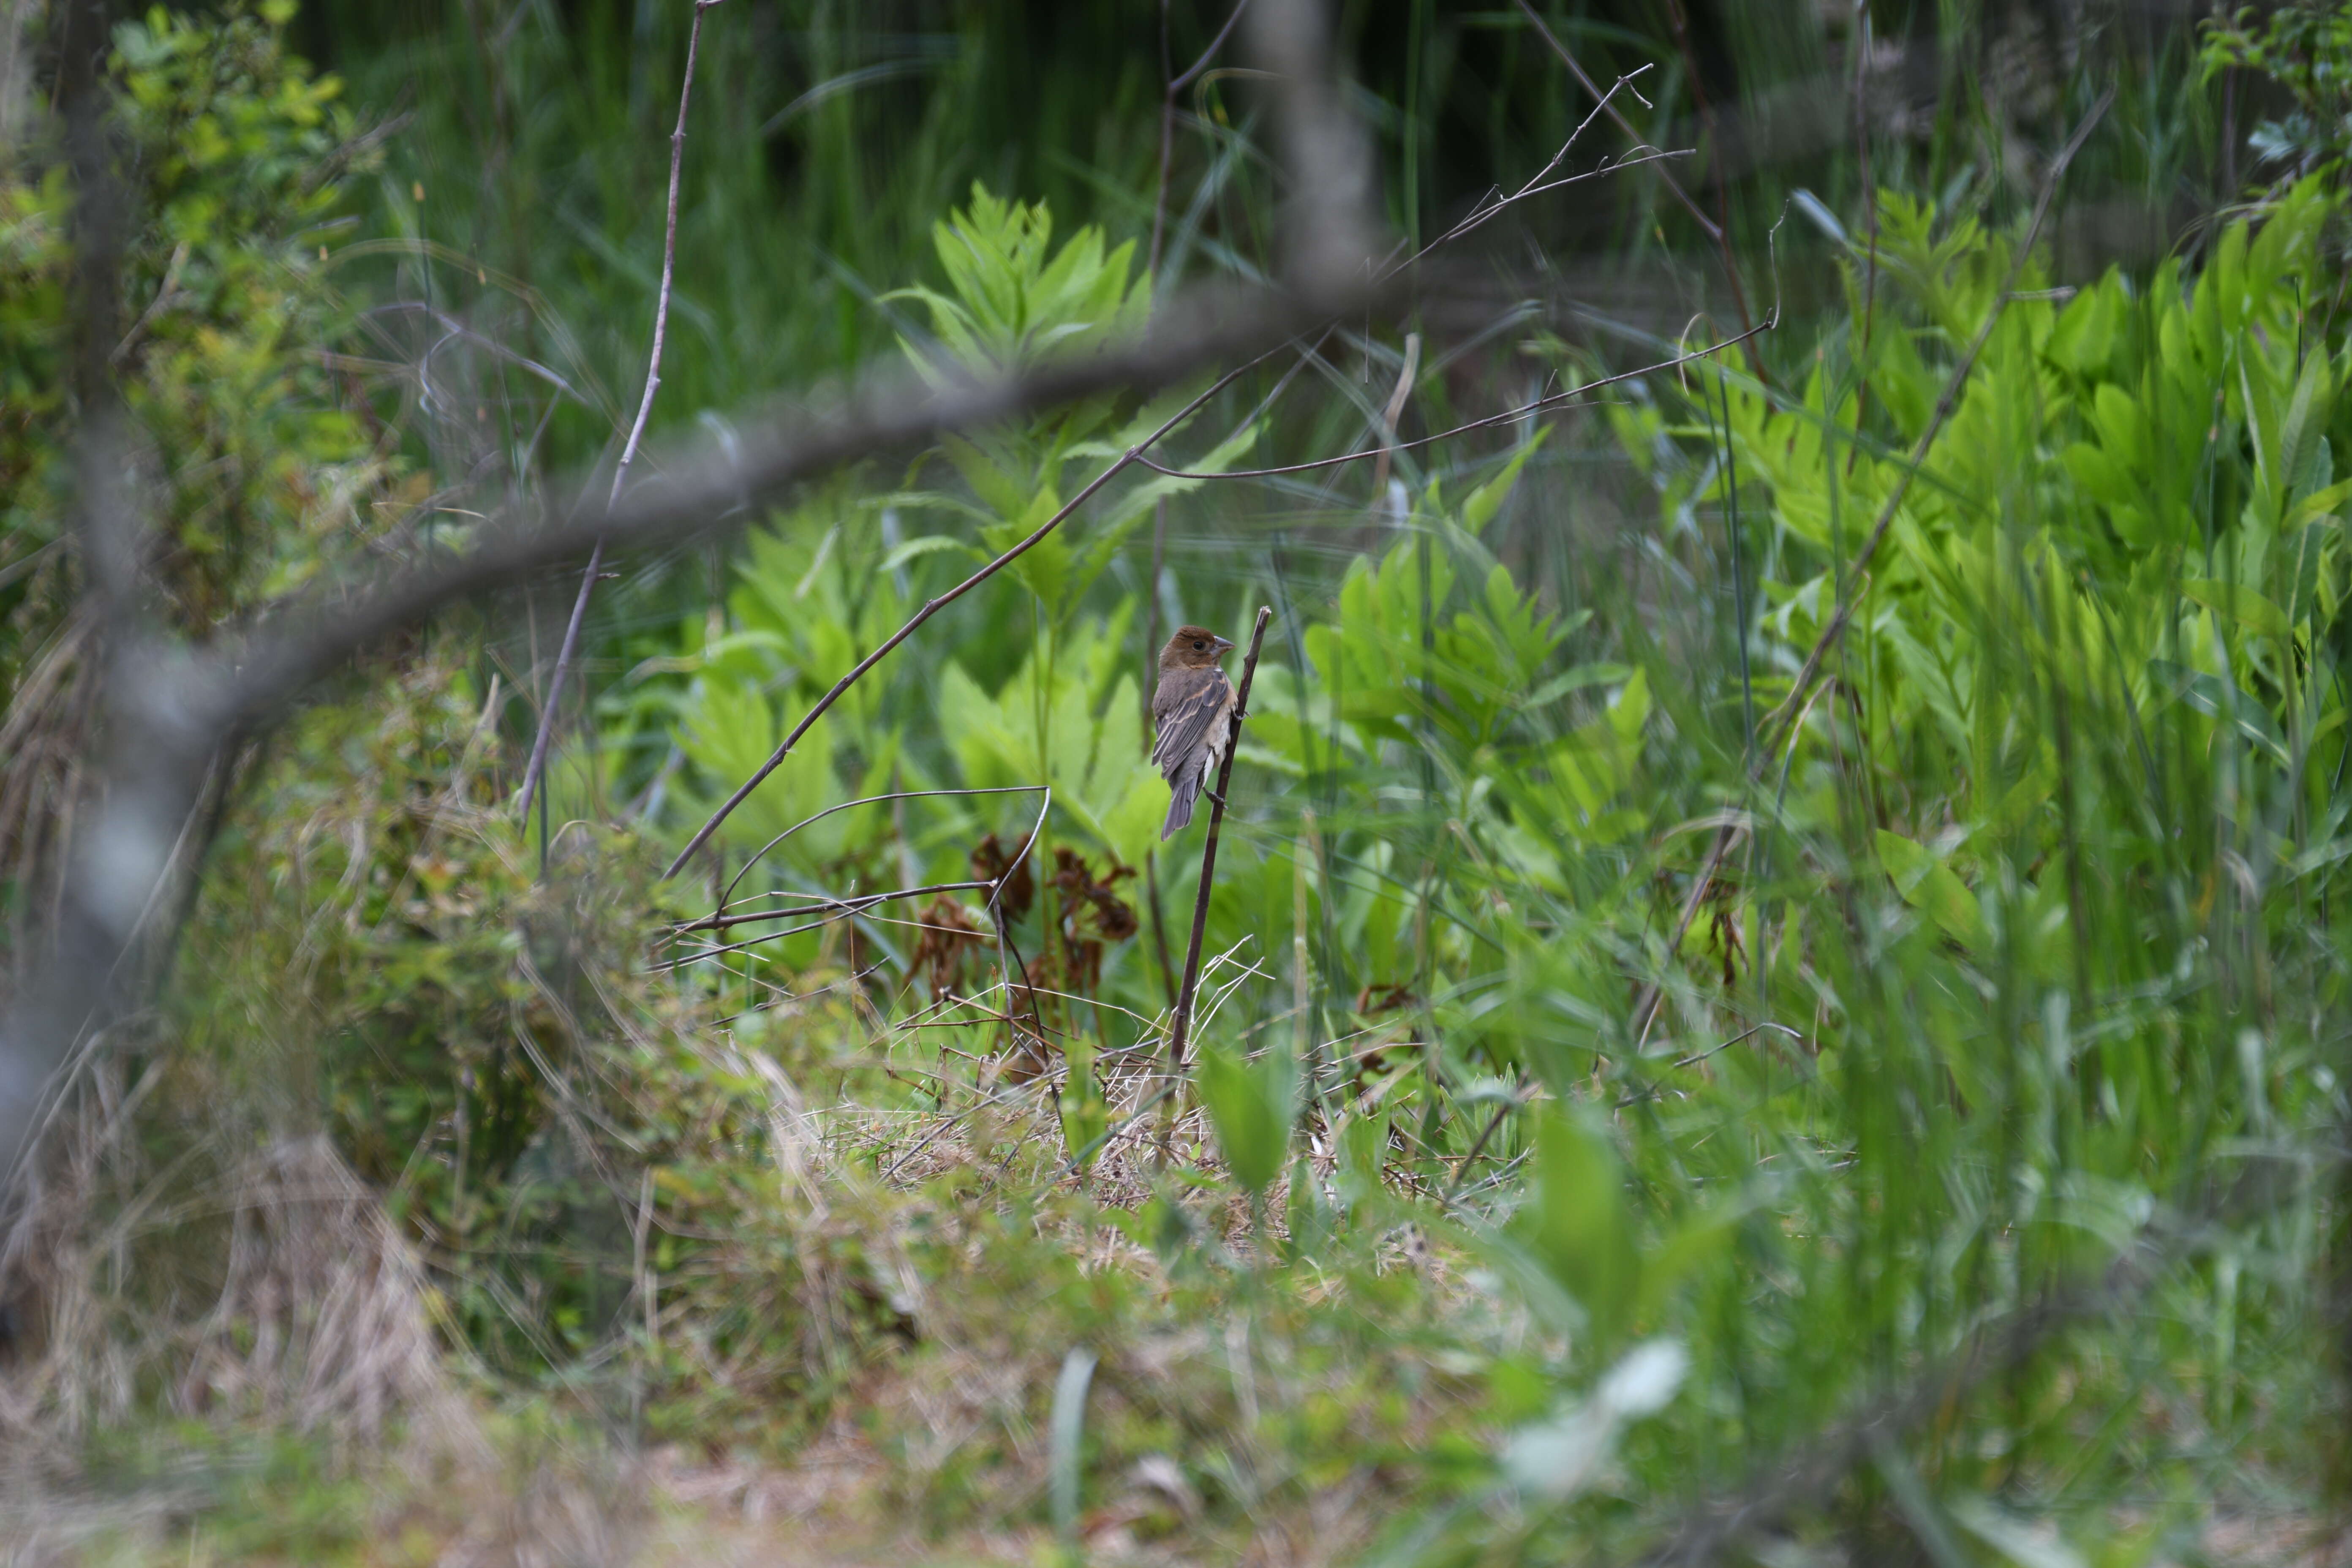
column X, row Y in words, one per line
column 173, row 707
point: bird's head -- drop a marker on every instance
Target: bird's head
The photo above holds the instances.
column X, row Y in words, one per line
column 1193, row 647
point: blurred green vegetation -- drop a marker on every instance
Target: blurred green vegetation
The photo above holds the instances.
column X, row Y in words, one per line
column 1995, row 1093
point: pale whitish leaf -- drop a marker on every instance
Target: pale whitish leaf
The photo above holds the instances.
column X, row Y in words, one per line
column 1067, row 1426
column 2023, row 1543
column 1645, row 1379
column 1818, row 214
column 1561, row 1457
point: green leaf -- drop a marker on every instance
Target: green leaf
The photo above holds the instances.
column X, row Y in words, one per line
column 2243, row 604
column 1576, row 1224
column 1487, row 499
column 1576, row 679
column 1698, row 1238
column 927, row 545
column 2209, row 694
column 1251, row 1107
column 1363, row 1152
column 2300, row 570
column 1933, row 889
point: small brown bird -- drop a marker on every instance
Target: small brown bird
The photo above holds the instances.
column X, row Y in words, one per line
column 1191, row 710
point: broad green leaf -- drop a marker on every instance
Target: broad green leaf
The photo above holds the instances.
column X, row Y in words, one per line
column 1479, row 509
column 2240, row 604
column 1576, row 1224
column 1933, row 889
column 2209, row 694
column 1251, row 1107
column 925, row 545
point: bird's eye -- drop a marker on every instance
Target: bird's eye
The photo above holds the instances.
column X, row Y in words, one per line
column 1198, row 643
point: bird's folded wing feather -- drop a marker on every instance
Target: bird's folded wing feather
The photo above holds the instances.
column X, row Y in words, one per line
column 1191, row 714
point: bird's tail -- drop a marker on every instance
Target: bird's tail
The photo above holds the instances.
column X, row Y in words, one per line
column 1182, row 791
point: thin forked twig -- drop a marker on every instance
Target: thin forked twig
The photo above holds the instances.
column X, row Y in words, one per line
column 548, row 707
column 1715, row 231
column 727, row 897
column 1174, row 87
column 1541, row 182
column 1509, row 416
column 1780, row 727
column 857, row 904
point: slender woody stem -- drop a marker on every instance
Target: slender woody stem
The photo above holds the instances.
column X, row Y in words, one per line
column 548, row 707
column 1181, row 1024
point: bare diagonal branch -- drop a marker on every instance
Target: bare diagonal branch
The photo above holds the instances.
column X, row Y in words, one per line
column 242, row 686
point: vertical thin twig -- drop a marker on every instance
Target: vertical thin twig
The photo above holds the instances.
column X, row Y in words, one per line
column 548, row 708
column 1172, row 87
column 1680, row 21
column 1181, row 1023
column 1151, row 677
column 1714, row 230
column 1861, row 47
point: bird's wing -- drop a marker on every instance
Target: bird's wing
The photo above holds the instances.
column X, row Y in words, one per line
column 1191, row 714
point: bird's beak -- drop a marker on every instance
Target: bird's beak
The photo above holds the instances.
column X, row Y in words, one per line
column 1224, row 645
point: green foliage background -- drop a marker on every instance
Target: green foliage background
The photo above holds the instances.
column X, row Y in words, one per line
column 2001, row 1062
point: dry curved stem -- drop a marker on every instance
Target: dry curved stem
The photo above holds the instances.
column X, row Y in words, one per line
column 1180, row 1022
column 1394, row 412
column 549, row 706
